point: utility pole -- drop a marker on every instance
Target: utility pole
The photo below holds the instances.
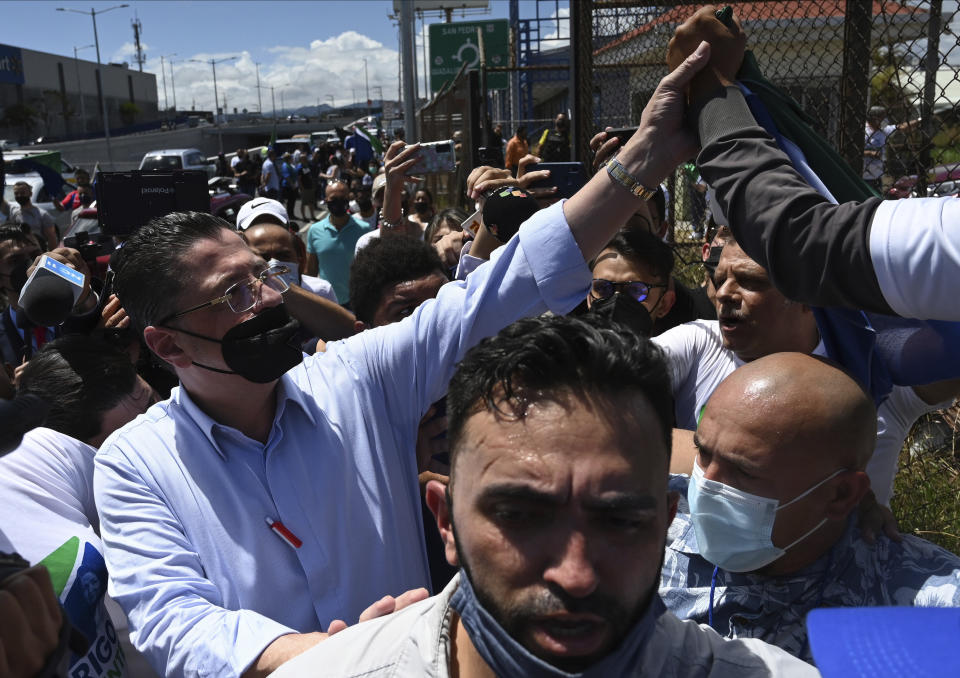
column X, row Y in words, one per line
column 163, row 72
column 173, row 88
column 216, row 118
column 103, row 99
column 172, row 85
column 259, row 103
column 137, row 29
column 83, row 108
column 366, row 81
column 408, row 63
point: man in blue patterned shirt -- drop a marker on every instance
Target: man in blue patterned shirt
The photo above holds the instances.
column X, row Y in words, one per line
column 768, row 531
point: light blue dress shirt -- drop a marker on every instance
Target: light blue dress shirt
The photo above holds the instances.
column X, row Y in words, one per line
column 182, row 500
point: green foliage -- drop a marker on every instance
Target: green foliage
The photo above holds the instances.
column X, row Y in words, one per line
column 19, row 116
column 926, row 498
column 129, row 112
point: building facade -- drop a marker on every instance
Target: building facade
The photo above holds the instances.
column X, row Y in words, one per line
column 56, row 96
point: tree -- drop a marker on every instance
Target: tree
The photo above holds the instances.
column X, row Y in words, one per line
column 129, row 112
column 20, row 116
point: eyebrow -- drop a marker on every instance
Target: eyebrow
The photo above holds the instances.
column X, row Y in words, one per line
column 740, row 462
column 620, row 501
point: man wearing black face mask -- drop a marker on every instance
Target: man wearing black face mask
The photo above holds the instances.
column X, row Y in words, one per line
column 631, row 281
column 332, row 241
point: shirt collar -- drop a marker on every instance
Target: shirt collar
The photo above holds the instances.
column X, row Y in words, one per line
column 287, row 391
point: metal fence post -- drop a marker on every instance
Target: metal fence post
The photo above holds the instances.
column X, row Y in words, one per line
column 581, row 77
column 855, row 80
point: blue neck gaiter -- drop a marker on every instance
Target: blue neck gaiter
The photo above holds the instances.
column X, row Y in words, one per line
column 509, row 659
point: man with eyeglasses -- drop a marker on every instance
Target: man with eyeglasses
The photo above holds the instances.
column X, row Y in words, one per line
column 273, row 494
column 631, row 281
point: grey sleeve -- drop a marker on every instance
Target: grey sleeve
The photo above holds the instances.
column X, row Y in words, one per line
column 815, row 252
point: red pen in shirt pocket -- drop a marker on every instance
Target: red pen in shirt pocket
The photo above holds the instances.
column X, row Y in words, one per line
column 281, row 531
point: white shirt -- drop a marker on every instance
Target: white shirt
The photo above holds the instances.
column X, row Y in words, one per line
column 698, row 363
column 182, row 499
column 269, row 170
column 415, row 643
column 875, row 140
column 318, row 286
column 915, row 250
column 46, row 490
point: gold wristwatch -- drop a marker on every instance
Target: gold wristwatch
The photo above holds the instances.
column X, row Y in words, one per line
column 620, row 174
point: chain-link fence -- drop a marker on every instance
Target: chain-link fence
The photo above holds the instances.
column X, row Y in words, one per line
column 880, row 82
column 879, row 79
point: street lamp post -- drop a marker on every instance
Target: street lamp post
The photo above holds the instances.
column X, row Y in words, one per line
column 259, row 103
column 216, row 98
column 173, row 89
column 83, row 108
column 96, row 43
column 366, row 82
column 273, row 101
column 333, row 102
column 163, row 71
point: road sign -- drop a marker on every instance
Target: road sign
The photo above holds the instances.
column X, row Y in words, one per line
column 453, row 44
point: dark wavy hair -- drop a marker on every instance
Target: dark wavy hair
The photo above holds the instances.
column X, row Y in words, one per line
column 81, row 378
column 550, row 357
column 387, row 261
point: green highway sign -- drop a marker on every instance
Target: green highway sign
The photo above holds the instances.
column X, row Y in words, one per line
column 453, row 44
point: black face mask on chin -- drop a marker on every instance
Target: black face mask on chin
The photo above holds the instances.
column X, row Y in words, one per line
column 261, row 349
column 625, row 310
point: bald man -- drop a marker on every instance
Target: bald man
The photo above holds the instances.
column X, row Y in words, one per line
column 768, row 530
column 755, row 320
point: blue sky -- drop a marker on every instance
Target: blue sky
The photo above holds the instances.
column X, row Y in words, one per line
column 309, row 51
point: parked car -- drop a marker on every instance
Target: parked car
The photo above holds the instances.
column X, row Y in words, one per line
column 178, row 158
column 226, row 198
column 942, row 180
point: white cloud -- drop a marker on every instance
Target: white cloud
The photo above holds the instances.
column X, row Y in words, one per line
column 303, row 74
column 558, row 35
column 125, row 53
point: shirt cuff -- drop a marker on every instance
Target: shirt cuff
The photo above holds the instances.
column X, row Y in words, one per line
column 558, row 267
column 916, row 256
column 723, row 113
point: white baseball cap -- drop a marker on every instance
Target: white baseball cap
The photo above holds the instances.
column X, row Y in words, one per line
column 258, row 207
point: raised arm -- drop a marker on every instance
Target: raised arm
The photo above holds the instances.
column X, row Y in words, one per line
column 900, row 257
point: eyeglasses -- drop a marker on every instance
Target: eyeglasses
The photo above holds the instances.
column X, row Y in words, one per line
column 243, row 296
column 602, row 289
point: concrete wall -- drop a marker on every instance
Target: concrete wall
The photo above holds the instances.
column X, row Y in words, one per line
column 51, row 80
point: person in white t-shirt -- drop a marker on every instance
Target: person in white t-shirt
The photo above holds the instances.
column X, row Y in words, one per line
column 875, row 145
column 755, row 320
column 46, row 486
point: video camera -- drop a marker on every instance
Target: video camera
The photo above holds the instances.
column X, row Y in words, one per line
column 128, row 200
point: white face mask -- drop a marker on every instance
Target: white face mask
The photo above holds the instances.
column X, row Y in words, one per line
column 734, row 527
column 292, row 276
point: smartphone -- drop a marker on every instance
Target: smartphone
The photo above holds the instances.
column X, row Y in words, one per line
column 472, row 223
column 568, row 177
column 622, row 133
column 436, row 157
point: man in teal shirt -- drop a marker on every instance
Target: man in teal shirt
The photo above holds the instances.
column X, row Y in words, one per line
column 332, row 240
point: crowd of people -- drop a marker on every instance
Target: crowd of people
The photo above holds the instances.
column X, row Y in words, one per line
column 398, row 441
